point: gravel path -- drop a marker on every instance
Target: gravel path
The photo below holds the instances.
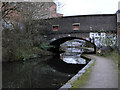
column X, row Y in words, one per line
column 104, row 74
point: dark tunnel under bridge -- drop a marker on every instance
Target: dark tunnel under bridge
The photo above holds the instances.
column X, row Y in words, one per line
column 56, row 44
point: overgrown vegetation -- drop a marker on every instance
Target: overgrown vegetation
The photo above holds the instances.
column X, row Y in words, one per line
column 24, row 45
column 114, row 54
column 21, row 46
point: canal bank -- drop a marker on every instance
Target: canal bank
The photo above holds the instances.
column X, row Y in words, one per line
column 104, row 75
column 79, row 79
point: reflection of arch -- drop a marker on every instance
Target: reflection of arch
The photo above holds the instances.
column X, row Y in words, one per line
column 56, row 43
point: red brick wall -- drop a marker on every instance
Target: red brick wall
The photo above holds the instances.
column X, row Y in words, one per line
column 54, row 11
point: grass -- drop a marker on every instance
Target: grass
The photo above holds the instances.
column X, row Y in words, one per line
column 114, row 55
column 82, row 79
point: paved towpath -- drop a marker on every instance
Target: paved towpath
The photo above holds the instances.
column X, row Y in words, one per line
column 104, row 74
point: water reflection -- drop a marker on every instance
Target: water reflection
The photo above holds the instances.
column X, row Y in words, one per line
column 62, row 66
column 44, row 72
column 72, row 55
column 36, row 73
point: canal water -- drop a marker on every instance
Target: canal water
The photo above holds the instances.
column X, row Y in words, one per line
column 44, row 72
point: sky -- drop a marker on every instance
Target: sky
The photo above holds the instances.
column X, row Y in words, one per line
column 86, row 7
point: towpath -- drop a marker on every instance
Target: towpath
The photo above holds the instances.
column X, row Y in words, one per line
column 104, row 74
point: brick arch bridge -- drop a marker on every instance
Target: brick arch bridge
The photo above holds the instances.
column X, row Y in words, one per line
column 78, row 26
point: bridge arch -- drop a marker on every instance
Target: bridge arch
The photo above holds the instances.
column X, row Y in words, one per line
column 56, row 43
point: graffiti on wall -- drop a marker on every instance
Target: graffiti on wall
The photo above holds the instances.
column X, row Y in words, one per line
column 103, row 39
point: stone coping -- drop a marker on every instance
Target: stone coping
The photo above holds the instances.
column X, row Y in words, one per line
column 74, row 78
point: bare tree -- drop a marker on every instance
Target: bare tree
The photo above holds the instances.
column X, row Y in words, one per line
column 21, row 45
column 60, row 4
column 13, row 12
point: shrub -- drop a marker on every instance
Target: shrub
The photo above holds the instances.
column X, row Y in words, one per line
column 20, row 46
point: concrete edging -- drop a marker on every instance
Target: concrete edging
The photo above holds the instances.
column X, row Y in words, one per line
column 74, row 78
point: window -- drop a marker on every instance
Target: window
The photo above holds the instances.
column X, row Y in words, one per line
column 76, row 26
column 55, row 27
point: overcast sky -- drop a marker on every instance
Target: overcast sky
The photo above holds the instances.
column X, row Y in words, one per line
column 85, row 7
